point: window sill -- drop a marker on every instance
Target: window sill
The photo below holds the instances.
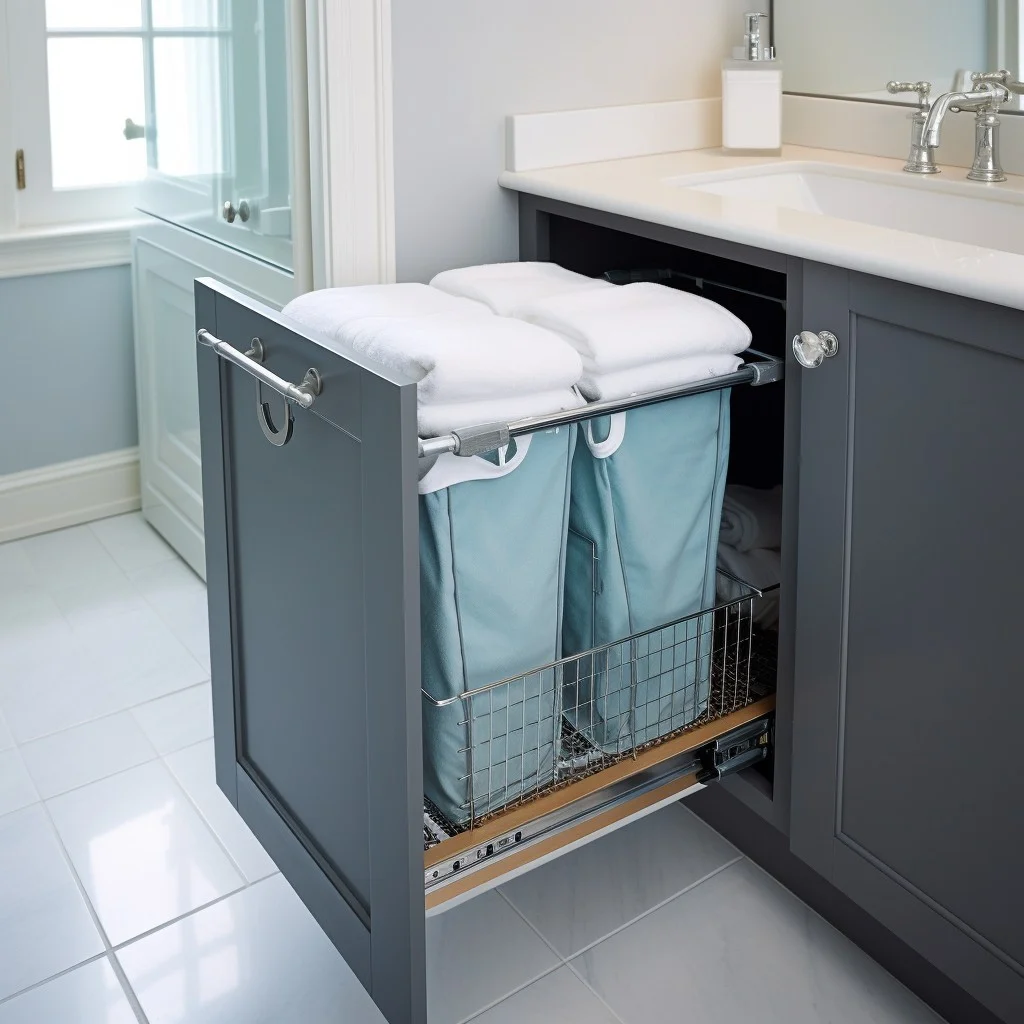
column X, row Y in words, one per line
column 49, row 250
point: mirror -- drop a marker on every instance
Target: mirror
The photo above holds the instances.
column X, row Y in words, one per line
column 852, row 49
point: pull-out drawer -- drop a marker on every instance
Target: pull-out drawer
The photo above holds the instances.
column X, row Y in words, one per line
column 312, row 539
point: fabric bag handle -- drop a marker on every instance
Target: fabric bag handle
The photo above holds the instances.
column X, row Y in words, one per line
column 611, row 444
column 449, row 470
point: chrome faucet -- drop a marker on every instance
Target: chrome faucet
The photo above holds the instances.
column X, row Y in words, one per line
column 922, row 158
column 990, row 92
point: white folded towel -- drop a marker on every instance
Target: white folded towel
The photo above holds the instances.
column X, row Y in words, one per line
column 469, row 365
column 760, row 568
column 751, row 518
column 650, row 377
column 331, row 309
column 619, row 328
column 467, row 359
column 439, row 418
column 504, row 287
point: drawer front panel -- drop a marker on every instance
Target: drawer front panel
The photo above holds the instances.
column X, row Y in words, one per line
column 312, row 569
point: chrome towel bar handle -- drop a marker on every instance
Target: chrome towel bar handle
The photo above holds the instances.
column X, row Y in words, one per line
column 303, row 394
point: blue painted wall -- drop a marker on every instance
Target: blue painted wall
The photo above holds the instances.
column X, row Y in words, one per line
column 67, row 367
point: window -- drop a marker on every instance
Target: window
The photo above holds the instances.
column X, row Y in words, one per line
column 90, row 80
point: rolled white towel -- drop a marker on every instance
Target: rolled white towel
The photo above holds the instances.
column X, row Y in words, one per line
column 329, row 310
column 504, row 287
column 455, row 349
column 650, row 377
column 619, row 328
column 751, row 518
column 760, row 568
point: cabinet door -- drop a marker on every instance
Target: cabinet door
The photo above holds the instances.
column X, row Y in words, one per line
column 312, row 551
column 219, row 76
column 908, row 790
column 166, row 263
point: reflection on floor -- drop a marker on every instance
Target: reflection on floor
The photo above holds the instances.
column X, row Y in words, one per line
column 131, row 891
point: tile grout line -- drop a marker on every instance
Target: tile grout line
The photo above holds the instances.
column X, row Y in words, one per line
column 560, row 963
column 110, row 950
column 129, row 993
column 563, row 963
column 593, row 991
column 568, row 962
column 112, row 714
column 182, row 917
column 53, row 977
column 529, row 924
column 658, row 906
column 160, row 615
column 202, row 817
column 508, row 995
column 629, row 924
column 172, row 555
column 112, row 775
column 590, row 945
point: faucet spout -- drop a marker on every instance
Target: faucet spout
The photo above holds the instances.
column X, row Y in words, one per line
column 976, row 99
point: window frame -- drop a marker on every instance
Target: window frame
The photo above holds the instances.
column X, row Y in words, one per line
column 39, row 204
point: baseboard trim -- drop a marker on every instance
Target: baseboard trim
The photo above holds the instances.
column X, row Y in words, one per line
column 69, row 493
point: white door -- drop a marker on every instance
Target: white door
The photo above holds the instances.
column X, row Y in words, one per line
column 218, row 148
column 167, row 260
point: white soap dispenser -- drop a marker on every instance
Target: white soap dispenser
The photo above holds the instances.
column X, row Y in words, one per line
column 752, row 94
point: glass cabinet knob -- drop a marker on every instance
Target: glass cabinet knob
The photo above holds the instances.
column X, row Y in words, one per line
column 229, row 211
column 811, row 349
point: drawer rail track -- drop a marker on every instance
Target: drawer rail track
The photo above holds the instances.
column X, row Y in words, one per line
column 736, row 750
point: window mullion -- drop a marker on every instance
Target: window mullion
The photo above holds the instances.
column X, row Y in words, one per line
column 152, row 142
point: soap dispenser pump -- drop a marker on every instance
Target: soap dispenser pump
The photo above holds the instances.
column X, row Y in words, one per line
column 752, row 94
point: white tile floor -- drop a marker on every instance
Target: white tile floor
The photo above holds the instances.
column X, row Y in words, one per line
column 131, row 891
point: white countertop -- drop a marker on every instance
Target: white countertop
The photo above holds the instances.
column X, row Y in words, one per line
column 641, row 188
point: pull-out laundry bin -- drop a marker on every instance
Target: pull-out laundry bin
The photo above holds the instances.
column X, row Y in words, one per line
column 647, row 492
column 492, row 571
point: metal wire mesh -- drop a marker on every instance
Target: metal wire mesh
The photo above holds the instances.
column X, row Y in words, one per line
column 563, row 721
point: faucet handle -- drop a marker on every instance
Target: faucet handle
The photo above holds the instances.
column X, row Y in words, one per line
column 995, row 77
column 1003, row 78
column 923, row 90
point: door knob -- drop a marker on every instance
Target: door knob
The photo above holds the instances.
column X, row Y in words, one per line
column 811, row 349
column 133, row 130
column 229, row 211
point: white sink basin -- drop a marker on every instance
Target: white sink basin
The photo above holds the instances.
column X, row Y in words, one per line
column 991, row 216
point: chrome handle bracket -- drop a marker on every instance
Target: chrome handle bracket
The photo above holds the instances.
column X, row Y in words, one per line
column 303, row 395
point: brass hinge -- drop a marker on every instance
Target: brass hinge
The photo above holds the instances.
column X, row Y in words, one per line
column 19, row 168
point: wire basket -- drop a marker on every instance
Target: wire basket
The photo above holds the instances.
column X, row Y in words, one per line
column 530, row 733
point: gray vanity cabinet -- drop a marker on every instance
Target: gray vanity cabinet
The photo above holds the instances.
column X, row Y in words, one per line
column 907, row 785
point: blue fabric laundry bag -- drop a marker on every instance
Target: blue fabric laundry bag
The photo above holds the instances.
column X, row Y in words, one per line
column 645, row 512
column 492, row 573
